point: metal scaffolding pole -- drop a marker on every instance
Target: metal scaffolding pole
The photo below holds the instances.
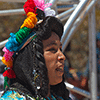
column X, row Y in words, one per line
column 77, row 23
column 63, row 14
column 54, row 5
column 11, row 12
column 77, row 90
column 92, row 54
column 2, row 44
column 19, row 1
column 0, row 57
column 72, row 18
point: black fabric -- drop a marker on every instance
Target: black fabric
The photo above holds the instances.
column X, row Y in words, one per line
column 21, row 89
column 40, row 14
column 23, row 66
column 60, row 90
column 49, row 24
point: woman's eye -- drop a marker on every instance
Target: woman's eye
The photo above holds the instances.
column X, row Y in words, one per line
column 53, row 50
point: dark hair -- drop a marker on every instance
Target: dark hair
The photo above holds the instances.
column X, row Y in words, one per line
column 29, row 65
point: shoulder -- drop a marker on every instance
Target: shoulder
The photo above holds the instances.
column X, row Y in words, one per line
column 13, row 95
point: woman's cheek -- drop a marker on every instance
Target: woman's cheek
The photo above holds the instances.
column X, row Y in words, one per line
column 47, row 58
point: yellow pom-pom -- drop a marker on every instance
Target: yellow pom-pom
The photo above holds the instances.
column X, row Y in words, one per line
column 7, row 63
column 30, row 21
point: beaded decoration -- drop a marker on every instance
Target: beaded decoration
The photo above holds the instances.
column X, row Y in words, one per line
column 19, row 39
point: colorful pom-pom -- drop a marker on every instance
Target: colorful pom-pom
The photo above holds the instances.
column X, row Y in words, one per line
column 7, row 63
column 12, row 44
column 30, row 21
column 8, row 54
column 49, row 12
column 29, row 6
column 9, row 73
column 22, row 33
column 40, row 4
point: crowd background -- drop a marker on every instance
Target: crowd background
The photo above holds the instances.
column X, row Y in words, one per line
column 77, row 51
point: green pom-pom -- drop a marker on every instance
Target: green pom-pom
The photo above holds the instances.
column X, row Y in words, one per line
column 22, row 34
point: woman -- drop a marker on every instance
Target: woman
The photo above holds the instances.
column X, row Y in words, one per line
column 38, row 63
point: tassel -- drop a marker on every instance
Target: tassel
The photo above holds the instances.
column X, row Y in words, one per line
column 7, row 63
column 9, row 73
column 6, row 82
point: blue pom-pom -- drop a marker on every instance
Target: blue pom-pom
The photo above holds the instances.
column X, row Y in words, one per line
column 12, row 44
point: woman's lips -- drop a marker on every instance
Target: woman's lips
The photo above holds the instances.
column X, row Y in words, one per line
column 61, row 68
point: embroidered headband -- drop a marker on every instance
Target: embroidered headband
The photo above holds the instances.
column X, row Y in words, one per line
column 35, row 11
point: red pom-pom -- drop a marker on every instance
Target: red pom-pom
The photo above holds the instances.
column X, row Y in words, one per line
column 29, row 6
column 9, row 73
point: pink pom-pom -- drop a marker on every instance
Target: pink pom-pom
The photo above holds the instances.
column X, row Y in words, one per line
column 40, row 4
column 8, row 54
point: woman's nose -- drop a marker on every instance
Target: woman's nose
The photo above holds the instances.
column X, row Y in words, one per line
column 61, row 56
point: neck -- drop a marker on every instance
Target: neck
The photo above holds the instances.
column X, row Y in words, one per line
column 48, row 95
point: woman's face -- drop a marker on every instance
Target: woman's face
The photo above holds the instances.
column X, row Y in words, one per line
column 54, row 58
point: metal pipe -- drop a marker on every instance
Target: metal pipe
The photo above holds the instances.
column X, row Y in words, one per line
column 1, row 92
column 92, row 54
column 72, row 18
column 77, row 90
column 54, row 3
column 11, row 12
column 76, row 24
column 14, row 1
column 0, row 57
column 65, row 18
column 2, row 44
column 55, row 8
column 65, row 13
